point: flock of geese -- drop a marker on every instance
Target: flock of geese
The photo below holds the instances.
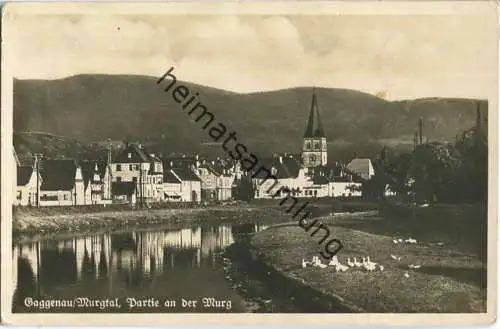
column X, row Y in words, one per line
column 366, row 264
column 353, row 262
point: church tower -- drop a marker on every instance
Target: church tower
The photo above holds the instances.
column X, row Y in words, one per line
column 314, row 149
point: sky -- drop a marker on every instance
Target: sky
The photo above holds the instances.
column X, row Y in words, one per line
column 393, row 56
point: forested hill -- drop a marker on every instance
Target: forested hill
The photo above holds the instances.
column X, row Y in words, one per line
column 93, row 108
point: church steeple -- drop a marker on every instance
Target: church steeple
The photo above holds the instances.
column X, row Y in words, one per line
column 314, row 128
column 314, row 148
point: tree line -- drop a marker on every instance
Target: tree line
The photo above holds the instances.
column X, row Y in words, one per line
column 435, row 171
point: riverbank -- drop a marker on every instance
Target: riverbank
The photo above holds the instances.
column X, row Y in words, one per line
column 449, row 279
column 33, row 224
column 30, row 223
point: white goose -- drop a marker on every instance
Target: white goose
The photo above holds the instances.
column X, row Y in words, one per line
column 304, row 263
column 334, row 261
column 349, row 262
column 368, row 265
column 395, row 258
column 341, row 268
column 410, row 240
column 414, row 266
column 356, row 263
column 369, row 261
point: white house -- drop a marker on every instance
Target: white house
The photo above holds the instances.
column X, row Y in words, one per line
column 26, row 186
column 62, row 183
column 97, row 180
column 145, row 170
column 362, row 167
column 181, row 185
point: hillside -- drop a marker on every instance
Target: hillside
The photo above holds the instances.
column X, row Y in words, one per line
column 93, row 108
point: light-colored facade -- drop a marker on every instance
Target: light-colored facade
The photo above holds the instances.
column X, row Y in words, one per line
column 25, row 194
column 181, row 186
column 134, row 164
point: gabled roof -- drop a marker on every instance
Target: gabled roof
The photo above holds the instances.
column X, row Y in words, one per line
column 211, row 168
column 23, row 175
column 360, row 166
column 123, row 188
column 186, row 174
column 288, row 167
column 88, row 170
column 314, row 127
column 137, row 154
column 169, row 177
column 58, row 174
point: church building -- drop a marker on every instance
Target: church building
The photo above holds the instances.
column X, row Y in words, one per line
column 309, row 175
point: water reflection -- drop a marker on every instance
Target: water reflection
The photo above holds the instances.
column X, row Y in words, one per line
column 173, row 263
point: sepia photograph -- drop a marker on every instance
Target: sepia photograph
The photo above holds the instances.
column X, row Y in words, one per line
column 287, row 159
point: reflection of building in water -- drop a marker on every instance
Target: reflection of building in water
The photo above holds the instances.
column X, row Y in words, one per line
column 31, row 253
column 96, row 257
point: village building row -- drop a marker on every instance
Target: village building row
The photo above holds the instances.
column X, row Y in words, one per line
column 135, row 176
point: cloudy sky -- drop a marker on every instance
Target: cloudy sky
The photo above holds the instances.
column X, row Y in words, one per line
column 402, row 56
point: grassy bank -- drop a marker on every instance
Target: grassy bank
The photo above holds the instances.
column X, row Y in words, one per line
column 35, row 222
column 32, row 223
column 452, row 278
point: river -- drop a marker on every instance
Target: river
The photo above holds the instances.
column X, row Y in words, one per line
column 171, row 266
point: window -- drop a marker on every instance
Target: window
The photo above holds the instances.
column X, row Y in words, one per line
column 308, row 146
column 315, row 193
column 118, row 167
column 118, row 179
column 65, row 196
column 312, row 158
column 136, row 167
column 130, row 167
column 316, row 146
column 134, row 179
column 18, row 197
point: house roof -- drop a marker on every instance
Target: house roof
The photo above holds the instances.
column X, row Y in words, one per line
column 314, row 127
column 23, row 175
column 137, row 154
column 88, row 170
column 288, row 167
column 169, row 177
column 360, row 166
column 123, row 188
column 186, row 174
column 211, row 168
column 58, row 174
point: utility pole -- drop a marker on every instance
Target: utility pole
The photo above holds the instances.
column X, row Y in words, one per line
column 415, row 141
column 420, row 129
column 140, row 184
column 108, row 165
column 38, row 167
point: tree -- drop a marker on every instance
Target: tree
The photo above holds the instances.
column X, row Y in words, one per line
column 434, row 166
column 473, row 174
column 397, row 173
column 245, row 189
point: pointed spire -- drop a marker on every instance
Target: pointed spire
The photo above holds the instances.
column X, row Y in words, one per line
column 314, row 127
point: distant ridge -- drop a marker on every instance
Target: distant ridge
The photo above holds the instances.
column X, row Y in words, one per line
column 93, row 108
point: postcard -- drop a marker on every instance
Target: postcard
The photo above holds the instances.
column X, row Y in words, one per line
column 249, row 162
